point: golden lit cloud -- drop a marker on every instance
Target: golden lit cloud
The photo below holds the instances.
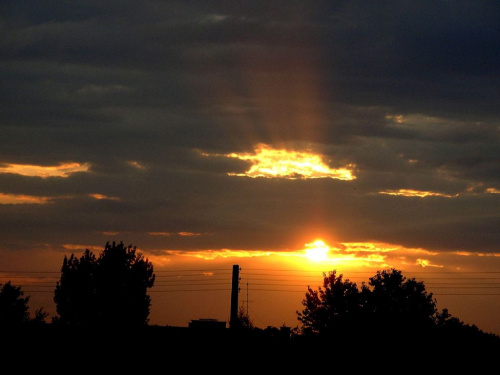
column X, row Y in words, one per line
column 75, row 247
column 62, row 170
column 399, row 119
column 496, row 255
column 103, row 197
column 136, row 164
column 346, row 257
column 23, row 199
column 416, row 193
column 426, row 263
column 280, row 163
column 166, row 234
column 493, row 191
column 318, row 251
column 223, row 253
column 189, row 234
column 463, row 253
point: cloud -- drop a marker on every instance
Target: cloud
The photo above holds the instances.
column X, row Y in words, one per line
column 416, row 193
column 22, row 199
column 269, row 162
column 61, row 170
column 105, row 197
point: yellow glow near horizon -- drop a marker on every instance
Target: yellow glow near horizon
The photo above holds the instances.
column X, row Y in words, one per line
column 355, row 256
column 22, row 199
column 281, row 163
column 320, row 254
column 61, row 170
column 416, row 193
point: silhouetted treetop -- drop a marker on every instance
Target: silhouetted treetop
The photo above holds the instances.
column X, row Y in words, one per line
column 110, row 290
column 14, row 309
column 330, row 306
column 393, row 299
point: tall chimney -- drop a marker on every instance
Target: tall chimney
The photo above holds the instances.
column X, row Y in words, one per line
column 233, row 321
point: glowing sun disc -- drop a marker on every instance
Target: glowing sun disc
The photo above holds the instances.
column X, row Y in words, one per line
column 317, row 251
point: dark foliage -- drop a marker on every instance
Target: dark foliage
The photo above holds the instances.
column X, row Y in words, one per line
column 335, row 305
column 14, row 309
column 391, row 301
column 108, row 291
column 389, row 305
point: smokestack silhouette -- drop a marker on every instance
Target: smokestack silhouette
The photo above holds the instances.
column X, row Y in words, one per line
column 233, row 321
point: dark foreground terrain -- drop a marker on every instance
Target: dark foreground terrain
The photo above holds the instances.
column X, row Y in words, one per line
column 164, row 347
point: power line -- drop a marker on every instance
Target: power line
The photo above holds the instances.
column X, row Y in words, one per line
column 189, row 290
column 365, row 272
column 273, row 278
column 195, row 270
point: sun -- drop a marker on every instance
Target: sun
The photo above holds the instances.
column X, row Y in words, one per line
column 317, row 251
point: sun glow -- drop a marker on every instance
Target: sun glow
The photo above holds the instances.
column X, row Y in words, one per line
column 317, row 251
column 318, row 255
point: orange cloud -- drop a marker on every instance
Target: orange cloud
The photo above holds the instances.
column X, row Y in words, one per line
column 426, row 263
column 75, row 247
column 61, row 170
column 103, row 197
column 416, row 193
column 493, row 191
column 166, row 234
column 136, row 164
column 23, row 199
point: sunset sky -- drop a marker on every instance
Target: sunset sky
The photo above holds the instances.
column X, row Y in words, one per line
column 288, row 137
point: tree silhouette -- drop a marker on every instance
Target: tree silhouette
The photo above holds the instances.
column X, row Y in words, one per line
column 243, row 319
column 393, row 301
column 389, row 302
column 14, row 309
column 331, row 307
column 108, row 291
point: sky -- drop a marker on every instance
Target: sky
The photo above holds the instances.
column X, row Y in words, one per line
column 290, row 138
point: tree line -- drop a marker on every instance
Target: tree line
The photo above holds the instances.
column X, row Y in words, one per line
column 111, row 291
